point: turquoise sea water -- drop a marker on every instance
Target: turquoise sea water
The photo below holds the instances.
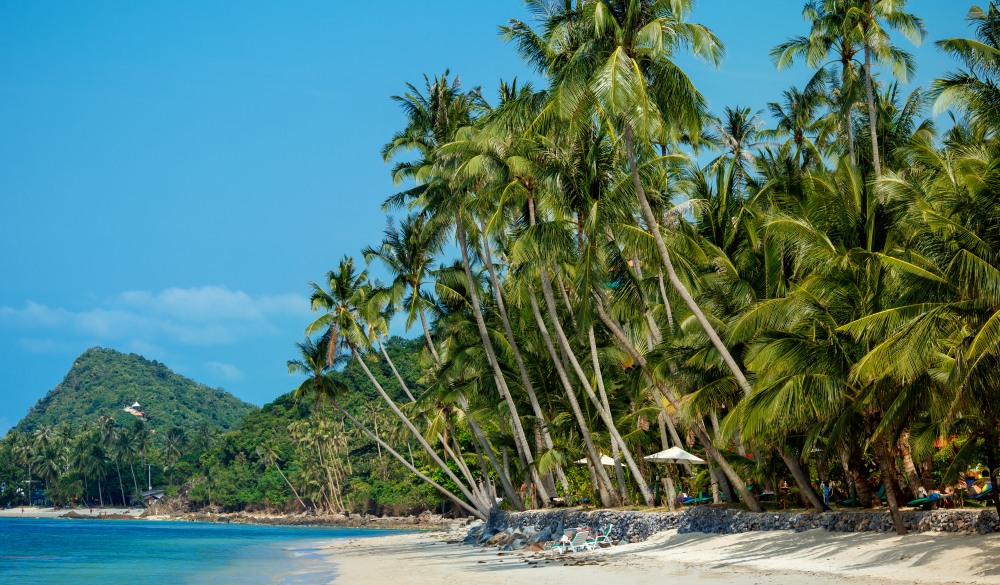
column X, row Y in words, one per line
column 112, row 552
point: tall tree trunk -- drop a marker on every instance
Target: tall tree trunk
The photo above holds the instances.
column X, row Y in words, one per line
column 698, row 427
column 604, row 414
column 413, row 429
column 427, row 336
column 619, row 472
column 121, row 485
column 884, row 464
column 872, row 121
column 909, row 468
column 604, row 485
column 802, row 480
column 519, row 436
column 458, row 501
column 522, row 370
column 290, row 486
column 865, row 495
column 395, row 372
column 502, row 472
column 675, row 281
column 661, row 419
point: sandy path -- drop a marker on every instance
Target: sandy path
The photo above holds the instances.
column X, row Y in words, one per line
column 772, row 558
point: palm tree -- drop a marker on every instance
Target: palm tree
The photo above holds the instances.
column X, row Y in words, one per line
column 432, row 121
column 407, row 252
column 976, row 87
column 323, row 386
column 872, row 18
column 798, row 118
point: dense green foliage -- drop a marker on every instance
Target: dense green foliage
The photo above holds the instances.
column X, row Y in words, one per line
column 243, row 469
column 102, row 382
column 820, row 303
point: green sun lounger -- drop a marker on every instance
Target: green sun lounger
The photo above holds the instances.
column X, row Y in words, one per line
column 880, row 495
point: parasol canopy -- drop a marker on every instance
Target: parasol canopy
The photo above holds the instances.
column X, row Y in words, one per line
column 605, row 460
column 674, row 455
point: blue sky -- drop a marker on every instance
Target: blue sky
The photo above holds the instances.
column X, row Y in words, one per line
column 172, row 175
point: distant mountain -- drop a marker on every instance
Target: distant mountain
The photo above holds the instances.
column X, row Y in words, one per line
column 103, row 382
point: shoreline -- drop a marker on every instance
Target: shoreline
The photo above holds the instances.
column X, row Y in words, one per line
column 817, row 557
column 423, row 522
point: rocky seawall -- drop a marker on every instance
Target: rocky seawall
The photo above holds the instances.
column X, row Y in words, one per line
column 514, row 530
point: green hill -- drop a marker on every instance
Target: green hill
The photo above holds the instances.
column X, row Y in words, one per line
column 104, row 381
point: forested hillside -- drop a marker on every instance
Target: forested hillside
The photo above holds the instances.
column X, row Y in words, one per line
column 102, row 382
column 302, row 443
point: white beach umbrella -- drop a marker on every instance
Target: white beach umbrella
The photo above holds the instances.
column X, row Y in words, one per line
column 674, row 455
column 605, row 460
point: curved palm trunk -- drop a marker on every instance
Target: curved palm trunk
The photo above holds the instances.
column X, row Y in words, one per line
column 802, row 480
column 619, row 472
column 698, row 427
column 605, row 415
column 882, row 455
column 604, row 486
column 653, row 225
column 909, row 467
column 876, row 161
column 522, row 370
column 413, row 429
column 427, row 337
column 458, row 501
column 519, row 435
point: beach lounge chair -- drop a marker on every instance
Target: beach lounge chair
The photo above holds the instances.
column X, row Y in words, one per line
column 578, row 540
column 604, row 536
column 982, row 497
column 928, row 502
column 880, row 496
column 702, row 498
column 581, row 541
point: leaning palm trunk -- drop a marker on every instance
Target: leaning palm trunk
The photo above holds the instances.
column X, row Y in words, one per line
column 602, row 412
column 802, row 480
column 698, row 427
column 522, row 370
column 291, row 487
column 406, row 389
column 458, row 501
column 604, row 485
column 427, row 337
column 519, row 437
column 884, row 465
column 504, row 477
column 876, row 161
column 619, row 472
column 416, row 433
column 121, row 485
column 654, row 228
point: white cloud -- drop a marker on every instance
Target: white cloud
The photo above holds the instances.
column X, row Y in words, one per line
column 228, row 371
column 211, row 303
column 199, row 316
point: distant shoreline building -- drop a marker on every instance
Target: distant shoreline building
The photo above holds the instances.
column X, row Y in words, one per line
column 136, row 411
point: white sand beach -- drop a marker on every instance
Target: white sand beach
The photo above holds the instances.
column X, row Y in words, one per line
column 772, row 558
column 38, row 512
